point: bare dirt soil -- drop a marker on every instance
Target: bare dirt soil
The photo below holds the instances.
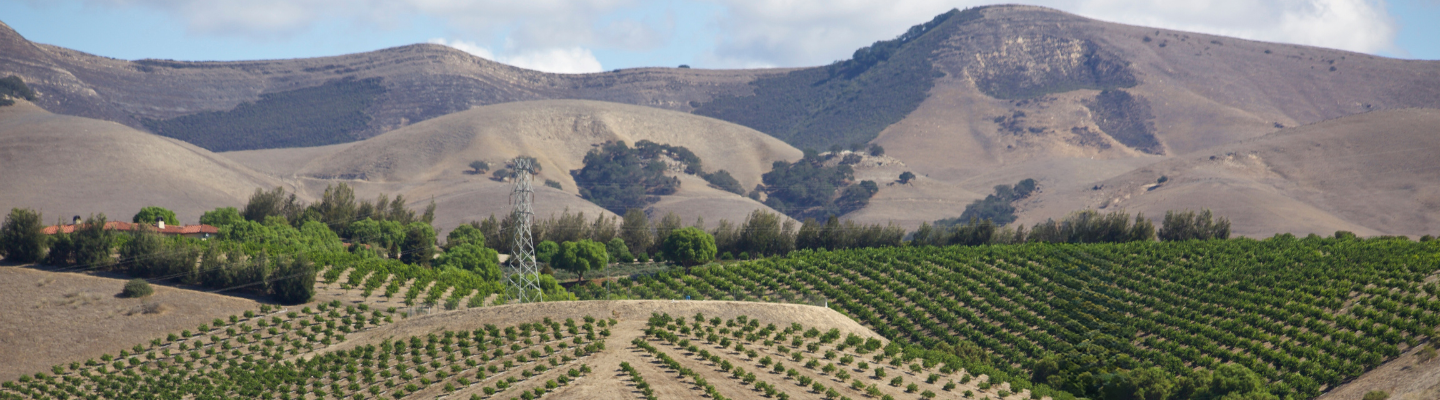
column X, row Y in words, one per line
column 56, row 318
column 1404, row 378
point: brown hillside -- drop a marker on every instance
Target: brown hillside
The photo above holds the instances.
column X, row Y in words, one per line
column 1372, row 173
column 65, row 166
column 422, row 81
column 431, row 158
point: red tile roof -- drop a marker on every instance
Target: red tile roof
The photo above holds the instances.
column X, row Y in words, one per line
column 128, row 226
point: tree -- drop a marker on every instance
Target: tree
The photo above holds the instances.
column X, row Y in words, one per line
column 149, row 215
column 635, row 229
column 337, row 207
column 464, row 234
column 617, row 249
column 295, row 280
column 473, row 257
column 581, row 257
column 263, row 204
column 221, row 217
column 876, row 150
column 419, row 244
column 545, row 251
column 906, row 176
column 21, row 239
column 479, row 167
column 689, row 246
column 1189, row 225
column 92, row 242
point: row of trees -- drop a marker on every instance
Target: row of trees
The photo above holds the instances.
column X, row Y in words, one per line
column 1086, row 226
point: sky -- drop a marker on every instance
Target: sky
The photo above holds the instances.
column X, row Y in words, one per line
column 577, row 36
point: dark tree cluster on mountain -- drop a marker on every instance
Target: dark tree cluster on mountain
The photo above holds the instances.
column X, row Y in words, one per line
column 12, row 87
column 1086, row 226
column 808, row 188
column 327, row 114
column 996, row 208
column 849, row 101
column 617, row 177
column 1127, row 118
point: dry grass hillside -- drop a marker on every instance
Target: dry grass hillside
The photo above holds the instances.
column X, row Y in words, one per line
column 431, row 158
column 65, row 166
column 62, row 317
column 1372, row 173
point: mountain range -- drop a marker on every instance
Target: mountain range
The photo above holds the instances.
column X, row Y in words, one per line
column 1278, row 137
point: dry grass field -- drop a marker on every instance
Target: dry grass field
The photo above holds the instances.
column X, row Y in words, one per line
column 61, row 317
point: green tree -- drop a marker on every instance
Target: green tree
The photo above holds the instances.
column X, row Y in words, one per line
column 581, row 257
column 473, row 257
column 464, row 234
column 21, row 239
column 419, row 244
column 635, row 229
column 337, row 207
column 906, row 176
column 1189, row 225
column 221, row 217
column 689, row 246
column 294, row 280
column 545, row 251
column 149, row 215
column 876, row 150
column 92, row 242
column 479, row 167
column 139, row 253
column 617, row 249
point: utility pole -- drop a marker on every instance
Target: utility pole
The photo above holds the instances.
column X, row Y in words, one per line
column 522, row 277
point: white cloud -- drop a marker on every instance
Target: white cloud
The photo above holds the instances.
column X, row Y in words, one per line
column 570, row 60
column 573, row 60
column 558, row 34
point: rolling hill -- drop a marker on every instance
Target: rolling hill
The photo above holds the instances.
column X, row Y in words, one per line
column 431, row 158
column 64, row 166
column 968, row 100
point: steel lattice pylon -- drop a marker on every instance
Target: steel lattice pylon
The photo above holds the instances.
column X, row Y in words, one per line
column 522, row 276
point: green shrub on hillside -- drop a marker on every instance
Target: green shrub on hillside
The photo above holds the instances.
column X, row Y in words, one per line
column 12, row 87
column 137, row 288
column 617, row 177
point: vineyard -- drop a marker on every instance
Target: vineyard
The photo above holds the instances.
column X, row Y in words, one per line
column 1299, row 315
column 281, row 355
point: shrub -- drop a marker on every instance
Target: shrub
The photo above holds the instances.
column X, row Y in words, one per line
column 1377, row 395
column 137, row 288
column 20, row 238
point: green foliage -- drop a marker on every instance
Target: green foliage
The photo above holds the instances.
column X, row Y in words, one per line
column 474, row 258
column 689, row 246
column 835, row 235
column 1376, row 395
column 479, row 167
column 21, row 239
column 618, row 251
column 849, row 101
column 465, row 234
column 221, row 217
column 581, row 257
column 12, row 87
column 265, row 204
column 294, row 281
column 807, row 188
column 91, row 243
column 1128, row 119
column 996, row 207
column 1188, row 225
column 151, row 214
column 635, row 230
column 331, row 113
column 906, row 176
column 137, row 288
column 419, row 244
column 722, row 179
column 545, row 251
column 617, row 177
column 553, row 183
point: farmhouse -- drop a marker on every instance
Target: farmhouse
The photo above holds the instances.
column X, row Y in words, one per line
column 201, row 231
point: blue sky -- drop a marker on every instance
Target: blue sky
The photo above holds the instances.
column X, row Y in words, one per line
column 594, row 35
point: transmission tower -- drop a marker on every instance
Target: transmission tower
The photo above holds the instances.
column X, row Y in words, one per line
column 522, row 277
